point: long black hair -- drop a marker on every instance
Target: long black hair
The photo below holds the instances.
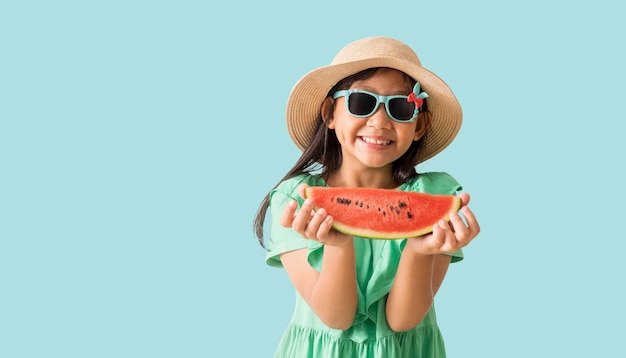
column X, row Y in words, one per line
column 323, row 152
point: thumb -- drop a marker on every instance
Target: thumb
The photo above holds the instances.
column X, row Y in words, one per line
column 301, row 190
column 465, row 199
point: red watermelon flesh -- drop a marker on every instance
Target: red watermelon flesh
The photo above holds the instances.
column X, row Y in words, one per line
column 382, row 213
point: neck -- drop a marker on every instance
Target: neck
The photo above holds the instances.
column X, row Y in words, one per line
column 364, row 178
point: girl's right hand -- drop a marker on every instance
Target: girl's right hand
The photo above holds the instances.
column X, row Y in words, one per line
column 312, row 224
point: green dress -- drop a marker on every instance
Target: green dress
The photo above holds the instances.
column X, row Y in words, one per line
column 376, row 265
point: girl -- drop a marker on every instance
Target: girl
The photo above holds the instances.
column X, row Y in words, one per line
column 366, row 120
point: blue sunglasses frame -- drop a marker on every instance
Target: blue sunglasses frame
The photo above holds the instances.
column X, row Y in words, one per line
column 383, row 99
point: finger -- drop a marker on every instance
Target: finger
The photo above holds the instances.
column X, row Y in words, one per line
column 437, row 238
column 286, row 218
column 323, row 232
column 472, row 223
column 456, row 223
column 302, row 217
column 314, row 224
column 450, row 243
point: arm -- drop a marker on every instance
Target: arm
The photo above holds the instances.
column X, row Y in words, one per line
column 417, row 281
column 423, row 266
column 331, row 293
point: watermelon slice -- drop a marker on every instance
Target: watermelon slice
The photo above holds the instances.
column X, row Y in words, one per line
column 382, row 213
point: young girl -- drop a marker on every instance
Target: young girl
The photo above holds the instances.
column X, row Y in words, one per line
column 365, row 120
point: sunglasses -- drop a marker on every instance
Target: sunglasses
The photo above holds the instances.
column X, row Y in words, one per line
column 403, row 109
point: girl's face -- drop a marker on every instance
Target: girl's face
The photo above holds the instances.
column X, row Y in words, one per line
column 375, row 141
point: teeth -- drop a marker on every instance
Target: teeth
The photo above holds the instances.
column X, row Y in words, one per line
column 376, row 141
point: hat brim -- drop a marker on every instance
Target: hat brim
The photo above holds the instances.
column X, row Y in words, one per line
column 303, row 106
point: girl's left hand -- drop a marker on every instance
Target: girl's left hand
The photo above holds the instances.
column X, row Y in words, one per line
column 448, row 237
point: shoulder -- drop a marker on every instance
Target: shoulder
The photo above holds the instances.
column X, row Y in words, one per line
column 289, row 187
column 433, row 183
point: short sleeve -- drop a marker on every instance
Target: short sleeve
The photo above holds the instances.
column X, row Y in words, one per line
column 282, row 239
column 438, row 183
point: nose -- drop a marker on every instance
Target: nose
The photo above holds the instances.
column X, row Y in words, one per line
column 379, row 119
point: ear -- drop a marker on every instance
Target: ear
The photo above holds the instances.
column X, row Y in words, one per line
column 422, row 124
column 328, row 106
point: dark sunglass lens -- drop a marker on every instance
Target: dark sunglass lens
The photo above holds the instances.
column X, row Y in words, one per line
column 361, row 104
column 401, row 109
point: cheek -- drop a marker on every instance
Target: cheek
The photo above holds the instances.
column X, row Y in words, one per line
column 345, row 129
column 406, row 137
column 334, row 117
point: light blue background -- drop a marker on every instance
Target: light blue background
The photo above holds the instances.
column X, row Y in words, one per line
column 138, row 138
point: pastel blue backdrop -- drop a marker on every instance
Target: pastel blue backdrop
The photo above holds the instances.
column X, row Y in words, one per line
column 137, row 139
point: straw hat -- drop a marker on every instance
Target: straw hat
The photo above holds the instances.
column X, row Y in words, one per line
column 303, row 106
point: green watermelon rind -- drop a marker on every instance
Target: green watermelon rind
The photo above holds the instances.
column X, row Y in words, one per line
column 372, row 234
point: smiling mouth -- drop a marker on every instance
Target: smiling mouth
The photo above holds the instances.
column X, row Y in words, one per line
column 375, row 141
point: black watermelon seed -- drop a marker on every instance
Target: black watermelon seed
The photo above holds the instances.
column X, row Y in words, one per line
column 409, row 215
column 344, row 201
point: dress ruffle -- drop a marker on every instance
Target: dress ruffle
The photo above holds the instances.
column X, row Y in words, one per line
column 302, row 342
